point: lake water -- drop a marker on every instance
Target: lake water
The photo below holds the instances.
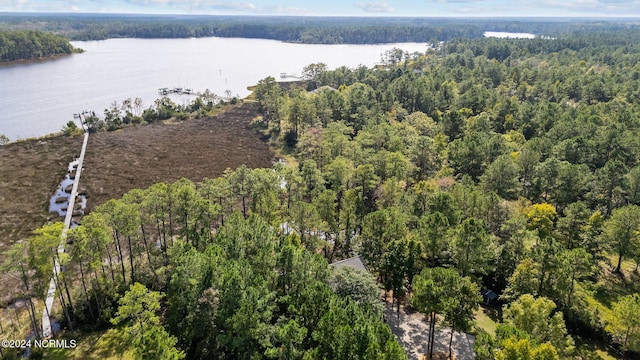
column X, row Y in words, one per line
column 39, row 98
column 508, row 35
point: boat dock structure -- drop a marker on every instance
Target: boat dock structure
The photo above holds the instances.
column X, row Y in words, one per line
column 176, row 90
column 284, row 75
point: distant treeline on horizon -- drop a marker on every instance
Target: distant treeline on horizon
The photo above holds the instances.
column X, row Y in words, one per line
column 316, row 30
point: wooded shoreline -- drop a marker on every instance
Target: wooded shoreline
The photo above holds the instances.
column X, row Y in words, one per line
column 27, row 45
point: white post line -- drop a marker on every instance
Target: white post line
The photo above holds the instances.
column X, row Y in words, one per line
column 46, row 319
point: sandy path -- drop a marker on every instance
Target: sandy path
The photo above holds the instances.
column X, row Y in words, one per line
column 412, row 330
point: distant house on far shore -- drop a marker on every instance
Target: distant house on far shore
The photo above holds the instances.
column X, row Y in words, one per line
column 356, row 262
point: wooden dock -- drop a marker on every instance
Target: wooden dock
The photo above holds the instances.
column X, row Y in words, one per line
column 289, row 76
column 176, row 90
column 47, row 327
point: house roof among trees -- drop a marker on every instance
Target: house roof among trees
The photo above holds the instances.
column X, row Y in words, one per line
column 356, row 262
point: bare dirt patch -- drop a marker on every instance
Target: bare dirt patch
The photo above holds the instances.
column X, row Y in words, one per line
column 411, row 330
column 117, row 162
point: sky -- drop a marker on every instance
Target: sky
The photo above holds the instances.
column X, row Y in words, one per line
column 413, row 8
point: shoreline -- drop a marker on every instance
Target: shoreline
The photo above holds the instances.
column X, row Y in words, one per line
column 54, row 135
column 41, row 59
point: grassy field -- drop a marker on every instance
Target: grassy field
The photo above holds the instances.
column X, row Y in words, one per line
column 139, row 157
column 105, row 345
column 484, row 321
column 30, row 171
column 14, row 321
column 604, row 355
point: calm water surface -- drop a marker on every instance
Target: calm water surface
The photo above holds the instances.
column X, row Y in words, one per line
column 39, row 98
column 509, row 35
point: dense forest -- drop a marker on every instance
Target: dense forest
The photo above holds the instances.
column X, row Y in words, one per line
column 30, row 44
column 325, row 30
column 510, row 165
column 514, row 162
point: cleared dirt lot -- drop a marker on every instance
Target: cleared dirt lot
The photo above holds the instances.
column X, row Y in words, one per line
column 119, row 161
